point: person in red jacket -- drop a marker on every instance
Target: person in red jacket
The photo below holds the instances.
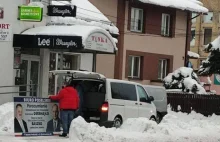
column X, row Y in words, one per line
column 68, row 103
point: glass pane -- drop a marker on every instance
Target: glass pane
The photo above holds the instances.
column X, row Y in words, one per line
column 34, row 78
column 208, row 18
column 140, row 20
column 193, row 38
column 207, row 36
column 128, row 92
column 23, row 75
column 142, row 94
column 167, row 24
column 159, row 69
column 136, row 67
column 51, row 85
column 129, row 65
column 132, row 19
column 115, row 89
column 164, row 68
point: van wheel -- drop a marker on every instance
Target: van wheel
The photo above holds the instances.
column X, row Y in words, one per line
column 117, row 122
column 153, row 119
column 159, row 118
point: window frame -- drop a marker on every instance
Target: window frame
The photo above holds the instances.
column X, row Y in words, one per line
column 132, row 66
column 205, row 36
column 160, row 77
column 204, row 16
column 133, row 22
column 164, row 25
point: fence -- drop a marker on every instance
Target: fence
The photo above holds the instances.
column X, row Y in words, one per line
column 204, row 104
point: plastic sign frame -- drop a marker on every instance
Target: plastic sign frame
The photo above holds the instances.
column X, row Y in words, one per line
column 30, row 13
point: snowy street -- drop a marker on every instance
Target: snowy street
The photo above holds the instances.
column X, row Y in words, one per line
column 176, row 127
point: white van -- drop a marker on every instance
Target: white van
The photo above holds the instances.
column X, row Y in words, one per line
column 160, row 99
column 109, row 102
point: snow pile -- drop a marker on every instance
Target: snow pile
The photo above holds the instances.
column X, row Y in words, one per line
column 39, row 4
column 191, row 5
column 184, row 78
column 175, row 127
column 7, row 118
column 87, row 14
column 214, row 45
column 193, row 54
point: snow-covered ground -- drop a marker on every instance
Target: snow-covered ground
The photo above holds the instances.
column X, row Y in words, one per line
column 175, row 127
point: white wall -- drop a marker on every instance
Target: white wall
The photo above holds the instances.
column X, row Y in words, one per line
column 86, row 61
column 7, row 73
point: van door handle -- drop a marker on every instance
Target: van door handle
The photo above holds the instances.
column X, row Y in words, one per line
column 140, row 103
column 136, row 103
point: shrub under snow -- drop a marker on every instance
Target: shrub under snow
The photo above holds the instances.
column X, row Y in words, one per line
column 184, row 78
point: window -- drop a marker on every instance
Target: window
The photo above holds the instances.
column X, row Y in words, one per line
column 208, row 18
column 35, row 0
column 123, row 91
column 136, row 19
column 165, row 25
column 194, row 15
column 193, row 38
column 162, row 72
column 134, row 66
column 142, row 94
column 207, row 36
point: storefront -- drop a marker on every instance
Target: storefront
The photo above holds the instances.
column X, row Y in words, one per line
column 46, row 48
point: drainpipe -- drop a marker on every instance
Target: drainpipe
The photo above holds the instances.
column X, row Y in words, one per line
column 187, row 37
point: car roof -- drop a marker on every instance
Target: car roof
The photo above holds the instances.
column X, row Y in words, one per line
column 152, row 86
column 123, row 81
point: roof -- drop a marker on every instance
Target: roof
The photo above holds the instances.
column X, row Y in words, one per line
column 87, row 14
column 74, row 30
column 190, row 5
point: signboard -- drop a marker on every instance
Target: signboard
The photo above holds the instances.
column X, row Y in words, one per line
column 5, row 32
column 62, row 10
column 46, row 41
column 217, row 79
column 30, row 13
column 36, row 117
column 99, row 42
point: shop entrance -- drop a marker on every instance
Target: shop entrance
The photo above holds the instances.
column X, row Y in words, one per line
column 29, row 73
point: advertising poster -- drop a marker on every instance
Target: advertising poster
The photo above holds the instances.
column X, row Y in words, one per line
column 36, row 117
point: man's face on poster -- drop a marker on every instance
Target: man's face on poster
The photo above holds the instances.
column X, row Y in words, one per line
column 19, row 112
column 55, row 112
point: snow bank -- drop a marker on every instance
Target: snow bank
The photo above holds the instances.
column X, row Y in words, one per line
column 40, row 4
column 184, row 78
column 214, row 45
column 193, row 54
column 191, row 5
column 175, row 127
column 87, row 14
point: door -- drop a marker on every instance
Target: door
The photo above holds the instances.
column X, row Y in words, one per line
column 145, row 107
column 129, row 94
column 30, row 66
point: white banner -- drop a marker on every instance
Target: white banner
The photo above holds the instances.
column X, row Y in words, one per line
column 5, row 32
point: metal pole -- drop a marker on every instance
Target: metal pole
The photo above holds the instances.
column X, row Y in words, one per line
column 94, row 62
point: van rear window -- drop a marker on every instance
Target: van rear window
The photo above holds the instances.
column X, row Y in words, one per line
column 123, row 91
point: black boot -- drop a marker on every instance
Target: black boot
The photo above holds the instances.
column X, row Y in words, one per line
column 63, row 135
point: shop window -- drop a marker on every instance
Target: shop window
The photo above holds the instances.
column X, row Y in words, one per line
column 207, row 36
column 136, row 19
column 165, row 25
column 134, row 66
column 193, row 37
column 162, row 69
column 208, row 18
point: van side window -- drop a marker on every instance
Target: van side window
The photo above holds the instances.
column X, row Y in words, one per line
column 142, row 94
column 115, row 89
column 128, row 92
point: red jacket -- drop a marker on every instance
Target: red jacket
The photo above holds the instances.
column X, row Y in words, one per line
column 68, row 98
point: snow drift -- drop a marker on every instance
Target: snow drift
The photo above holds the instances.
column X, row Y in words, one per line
column 184, row 78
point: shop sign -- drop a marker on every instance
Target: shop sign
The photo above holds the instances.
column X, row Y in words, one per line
column 217, row 79
column 99, row 42
column 5, row 32
column 30, row 13
column 46, row 41
column 62, row 10
column 36, row 117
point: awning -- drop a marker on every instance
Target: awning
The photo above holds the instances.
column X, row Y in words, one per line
column 76, row 38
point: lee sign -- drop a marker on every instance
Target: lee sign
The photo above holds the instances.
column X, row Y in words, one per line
column 99, row 42
column 5, row 32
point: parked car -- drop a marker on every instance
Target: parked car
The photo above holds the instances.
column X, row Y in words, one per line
column 160, row 99
column 110, row 102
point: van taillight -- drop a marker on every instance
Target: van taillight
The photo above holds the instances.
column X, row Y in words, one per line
column 104, row 107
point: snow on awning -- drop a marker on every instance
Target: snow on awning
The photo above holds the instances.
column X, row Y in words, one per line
column 89, row 38
column 87, row 14
column 190, row 5
column 193, row 55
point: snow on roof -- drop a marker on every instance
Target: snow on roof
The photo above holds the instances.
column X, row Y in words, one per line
column 74, row 30
column 87, row 14
column 214, row 45
column 191, row 5
column 40, row 4
column 193, row 54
